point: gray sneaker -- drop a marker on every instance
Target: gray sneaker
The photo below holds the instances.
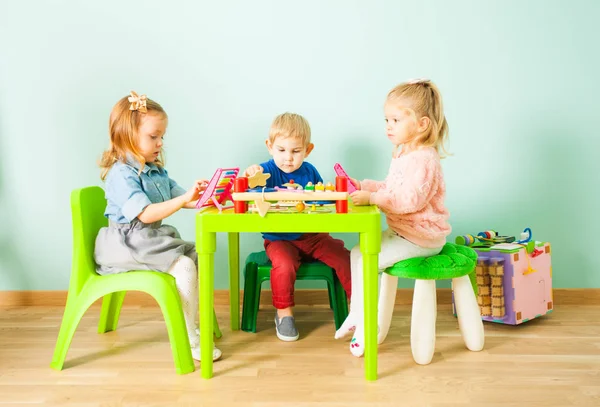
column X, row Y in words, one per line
column 286, row 329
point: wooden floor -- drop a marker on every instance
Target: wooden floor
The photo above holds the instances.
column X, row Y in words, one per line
column 551, row 361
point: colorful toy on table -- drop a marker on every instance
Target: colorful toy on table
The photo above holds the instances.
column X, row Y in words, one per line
column 258, row 179
column 309, row 187
column 218, row 190
column 292, row 186
column 514, row 280
column 339, row 171
column 281, row 206
column 262, row 199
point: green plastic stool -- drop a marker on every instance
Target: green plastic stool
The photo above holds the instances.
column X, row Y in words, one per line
column 86, row 286
column 453, row 262
column 258, row 270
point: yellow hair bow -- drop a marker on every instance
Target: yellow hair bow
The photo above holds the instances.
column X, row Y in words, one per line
column 137, row 102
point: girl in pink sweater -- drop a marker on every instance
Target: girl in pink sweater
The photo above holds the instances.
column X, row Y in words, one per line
column 411, row 197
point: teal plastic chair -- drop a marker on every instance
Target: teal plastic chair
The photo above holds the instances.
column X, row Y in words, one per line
column 258, row 270
column 453, row 262
column 86, row 286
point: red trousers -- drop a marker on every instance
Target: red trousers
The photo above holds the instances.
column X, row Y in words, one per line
column 286, row 256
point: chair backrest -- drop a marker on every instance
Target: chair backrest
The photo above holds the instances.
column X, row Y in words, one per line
column 87, row 211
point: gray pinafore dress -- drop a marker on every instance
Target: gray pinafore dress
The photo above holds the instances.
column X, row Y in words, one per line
column 123, row 247
column 128, row 243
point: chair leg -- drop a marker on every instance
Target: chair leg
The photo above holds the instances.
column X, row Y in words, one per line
column 170, row 305
column 216, row 329
column 340, row 310
column 333, row 300
column 467, row 310
column 342, row 303
column 111, row 310
column 256, row 304
column 422, row 328
column 332, row 295
column 73, row 312
column 248, row 312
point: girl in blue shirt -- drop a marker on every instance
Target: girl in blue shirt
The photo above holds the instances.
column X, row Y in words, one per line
column 139, row 196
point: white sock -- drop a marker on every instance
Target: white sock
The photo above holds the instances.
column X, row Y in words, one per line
column 355, row 320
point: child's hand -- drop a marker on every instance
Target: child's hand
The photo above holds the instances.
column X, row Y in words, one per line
column 253, row 169
column 202, row 184
column 360, row 198
column 355, row 182
column 193, row 193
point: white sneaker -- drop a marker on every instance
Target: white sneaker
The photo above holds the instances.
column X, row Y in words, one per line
column 216, row 353
column 195, row 345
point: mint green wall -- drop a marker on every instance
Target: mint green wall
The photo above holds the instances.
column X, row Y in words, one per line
column 520, row 81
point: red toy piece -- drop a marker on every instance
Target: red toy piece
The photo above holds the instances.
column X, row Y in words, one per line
column 240, row 185
column 341, row 185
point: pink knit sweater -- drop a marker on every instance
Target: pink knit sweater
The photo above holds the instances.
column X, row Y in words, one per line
column 412, row 198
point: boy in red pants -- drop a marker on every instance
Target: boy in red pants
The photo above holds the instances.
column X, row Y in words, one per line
column 289, row 144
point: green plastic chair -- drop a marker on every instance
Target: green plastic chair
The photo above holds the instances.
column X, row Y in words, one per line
column 86, row 286
column 258, row 270
column 453, row 262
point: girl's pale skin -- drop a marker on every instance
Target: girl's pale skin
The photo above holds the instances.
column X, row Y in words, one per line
column 150, row 142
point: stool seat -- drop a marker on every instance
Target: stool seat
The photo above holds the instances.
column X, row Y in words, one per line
column 453, row 261
column 258, row 270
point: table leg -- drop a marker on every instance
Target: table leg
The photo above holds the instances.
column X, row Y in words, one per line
column 206, row 246
column 234, row 280
column 370, row 293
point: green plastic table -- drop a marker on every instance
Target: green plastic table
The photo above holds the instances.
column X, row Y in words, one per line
column 365, row 220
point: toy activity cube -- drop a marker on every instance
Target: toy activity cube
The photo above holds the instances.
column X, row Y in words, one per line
column 514, row 282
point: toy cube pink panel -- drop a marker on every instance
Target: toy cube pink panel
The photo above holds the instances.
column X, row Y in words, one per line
column 532, row 281
column 527, row 283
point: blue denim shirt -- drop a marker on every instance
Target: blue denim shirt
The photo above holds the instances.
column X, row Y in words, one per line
column 128, row 193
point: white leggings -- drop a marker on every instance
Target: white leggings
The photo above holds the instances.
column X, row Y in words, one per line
column 186, row 279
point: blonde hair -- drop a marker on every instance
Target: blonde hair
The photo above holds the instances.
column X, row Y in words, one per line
column 290, row 125
column 426, row 101
column 123, row 128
